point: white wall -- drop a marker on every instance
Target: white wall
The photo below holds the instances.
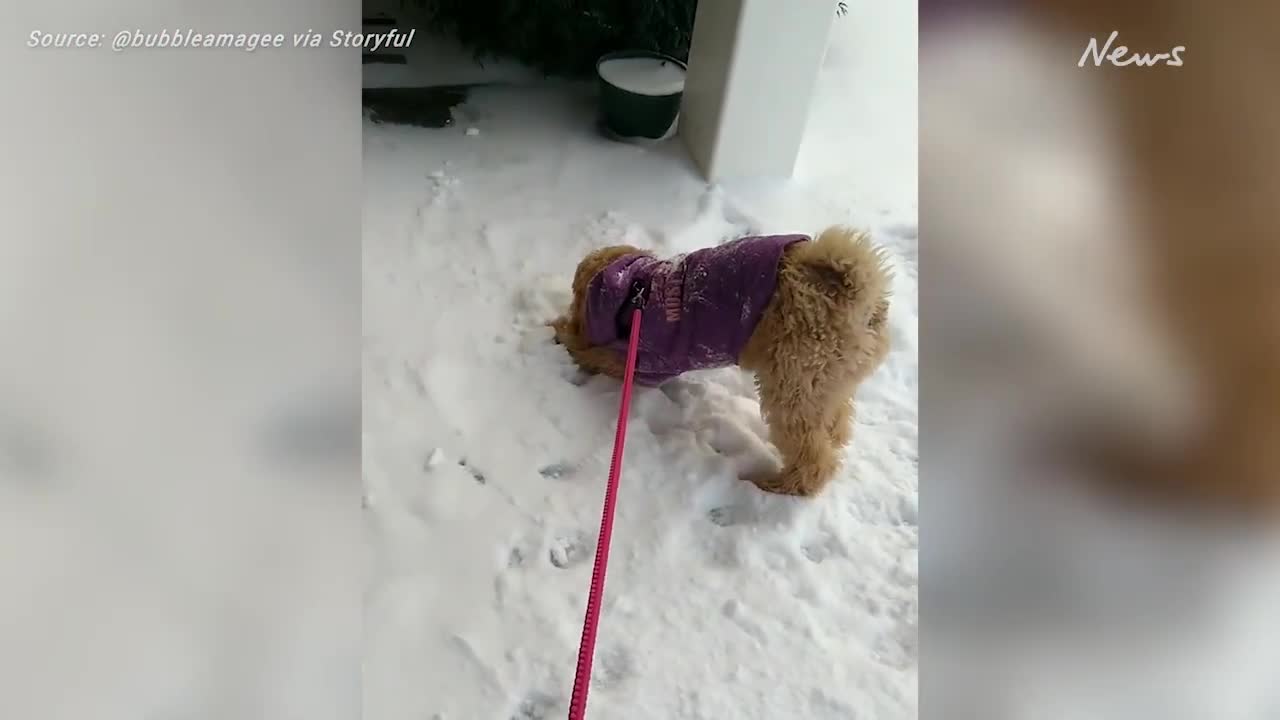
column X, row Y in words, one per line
column 752, row 70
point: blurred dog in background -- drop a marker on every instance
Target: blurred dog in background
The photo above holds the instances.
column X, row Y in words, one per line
column 1101, row 372
column 1200, row 145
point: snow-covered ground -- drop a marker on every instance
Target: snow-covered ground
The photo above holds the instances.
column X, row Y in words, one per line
column 485, row 453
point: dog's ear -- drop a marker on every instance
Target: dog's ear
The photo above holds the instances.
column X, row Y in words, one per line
column 594, row 262
column 586, row 270
column 569, row 330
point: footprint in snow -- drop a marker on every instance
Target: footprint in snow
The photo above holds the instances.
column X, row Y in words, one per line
column 570, row 551
column 726, row 551
column 741, row 616
column 536, row 706
column 523, row 550
column 906, row 231
column 824, row 546
column 825, row 706
column 515, row 558
column 433, row 460
column 613, row 667
column 899, row 647
column 555, row 471
column 724, row 516
column 908, row 511
column 476, row 474
column 815, row 553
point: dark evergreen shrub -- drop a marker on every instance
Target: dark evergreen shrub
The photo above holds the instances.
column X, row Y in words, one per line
column 565, row 37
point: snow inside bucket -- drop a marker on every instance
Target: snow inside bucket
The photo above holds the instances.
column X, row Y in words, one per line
column 644, row 75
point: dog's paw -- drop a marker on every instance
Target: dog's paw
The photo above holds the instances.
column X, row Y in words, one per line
column 767, row 481
column 783, row 483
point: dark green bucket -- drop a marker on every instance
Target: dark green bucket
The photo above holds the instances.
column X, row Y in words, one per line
column 635, row 112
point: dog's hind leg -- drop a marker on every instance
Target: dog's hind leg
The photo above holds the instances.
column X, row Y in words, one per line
column 840, row 424
column 803, row 433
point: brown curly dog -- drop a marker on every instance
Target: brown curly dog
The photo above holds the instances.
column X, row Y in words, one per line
column 808, row 317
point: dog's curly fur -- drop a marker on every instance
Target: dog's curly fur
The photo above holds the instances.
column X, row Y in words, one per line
column 823, row 332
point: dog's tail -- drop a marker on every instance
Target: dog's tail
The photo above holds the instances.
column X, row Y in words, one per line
column 845, row 262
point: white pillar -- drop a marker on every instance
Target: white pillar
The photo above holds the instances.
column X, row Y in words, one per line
column 753, row 65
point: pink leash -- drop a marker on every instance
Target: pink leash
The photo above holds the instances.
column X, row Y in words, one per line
column 586, row 650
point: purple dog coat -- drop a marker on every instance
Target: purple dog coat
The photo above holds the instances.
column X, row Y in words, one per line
column 701, row 309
